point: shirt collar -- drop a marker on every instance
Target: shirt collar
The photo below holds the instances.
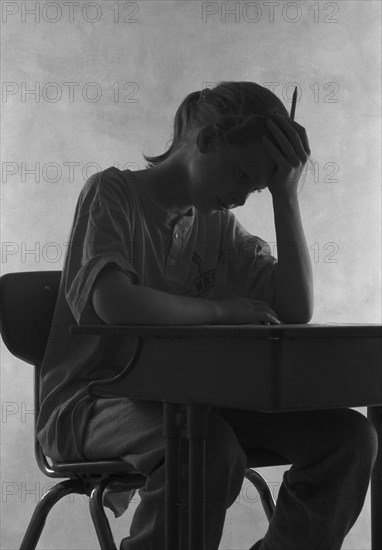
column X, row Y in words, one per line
column 161, row 215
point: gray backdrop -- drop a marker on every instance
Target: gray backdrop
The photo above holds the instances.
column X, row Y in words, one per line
column 87, row 85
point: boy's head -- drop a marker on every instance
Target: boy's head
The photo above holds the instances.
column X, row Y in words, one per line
column 218, row 130
column 220, row 108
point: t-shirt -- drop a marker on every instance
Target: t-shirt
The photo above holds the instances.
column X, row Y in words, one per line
column 118, row 223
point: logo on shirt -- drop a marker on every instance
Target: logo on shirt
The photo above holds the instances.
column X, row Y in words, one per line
column 203, row 285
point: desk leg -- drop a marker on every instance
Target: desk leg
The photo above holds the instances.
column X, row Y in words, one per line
column 375, row 415
column 172, row 473
column 197, row 429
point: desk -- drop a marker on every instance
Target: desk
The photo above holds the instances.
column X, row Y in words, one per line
column 297, row 368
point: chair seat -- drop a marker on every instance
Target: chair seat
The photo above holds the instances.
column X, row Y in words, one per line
column 94, row 467
column 261, row 458
column 256, row 458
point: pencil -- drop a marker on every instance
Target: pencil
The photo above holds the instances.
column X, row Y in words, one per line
column 294, row 101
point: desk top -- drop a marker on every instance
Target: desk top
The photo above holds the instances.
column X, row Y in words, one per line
column 270, row 368
column 314, row 330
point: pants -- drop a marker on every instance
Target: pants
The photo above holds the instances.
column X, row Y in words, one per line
column 332, row 453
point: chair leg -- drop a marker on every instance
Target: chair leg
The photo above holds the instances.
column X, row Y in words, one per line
column 267, row 500
column 37, row 522
column 100, row 521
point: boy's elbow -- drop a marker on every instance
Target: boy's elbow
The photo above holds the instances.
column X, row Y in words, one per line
column 292, row 312
column 303, row 320
column 295, row 317
column 109, row 296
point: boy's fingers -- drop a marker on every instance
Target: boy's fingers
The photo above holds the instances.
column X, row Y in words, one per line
column 300, row 130
column 272, row 312
column 303, row 135
column 270, row 320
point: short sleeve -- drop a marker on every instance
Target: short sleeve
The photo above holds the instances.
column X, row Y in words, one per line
column 101, row 235
column 247, row 267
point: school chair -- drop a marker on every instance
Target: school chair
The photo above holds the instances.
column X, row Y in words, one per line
column 27, row 302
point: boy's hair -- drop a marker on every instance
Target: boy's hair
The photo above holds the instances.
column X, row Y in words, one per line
column 231, row 112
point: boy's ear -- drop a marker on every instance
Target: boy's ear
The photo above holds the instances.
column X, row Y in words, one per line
column 205, row 138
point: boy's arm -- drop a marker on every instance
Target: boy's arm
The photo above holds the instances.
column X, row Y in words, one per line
column 117, row 301
column 293, row 300
column 294, row 296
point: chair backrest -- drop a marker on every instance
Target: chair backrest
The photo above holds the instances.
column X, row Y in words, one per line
column 27, row 302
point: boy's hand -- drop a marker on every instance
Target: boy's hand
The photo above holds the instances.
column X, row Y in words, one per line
column 246, row 311
column 294, row 145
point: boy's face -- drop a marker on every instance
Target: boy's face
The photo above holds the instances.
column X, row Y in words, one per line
column 229, row 176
